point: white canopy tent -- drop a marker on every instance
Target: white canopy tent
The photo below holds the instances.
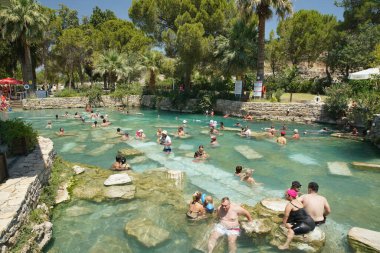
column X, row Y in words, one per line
column 364, row 74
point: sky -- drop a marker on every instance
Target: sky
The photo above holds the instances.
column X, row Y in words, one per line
column 120, row 8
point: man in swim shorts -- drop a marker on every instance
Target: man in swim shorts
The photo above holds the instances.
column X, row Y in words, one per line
column 315, row 205
column 167, row 142
column 228, row 224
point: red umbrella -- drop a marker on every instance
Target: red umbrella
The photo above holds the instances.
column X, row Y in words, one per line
column 10, row 81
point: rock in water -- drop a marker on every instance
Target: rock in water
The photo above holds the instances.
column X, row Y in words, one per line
column 146, row 232
column 247, row 152
column 339, row 168
column 106, row 244
column 368, row 166
column 120, row 191
column 75, row 211
column 257, row 227
column 126, row 152
column 310, row 242
column 62, row 194
column 44, row 233
column 118, row 179
column 78, row 170
column 364, row 240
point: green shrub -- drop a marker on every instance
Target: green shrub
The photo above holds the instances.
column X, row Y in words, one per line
column 16, row 129
column 67, row 93
column 94, row 96
column 278, row 93
column 336, row 103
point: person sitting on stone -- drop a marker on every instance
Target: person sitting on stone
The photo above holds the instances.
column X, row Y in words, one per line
column 119, row 132
column 207, row 202
column 246, row 132
column 296, row 219
column 201, row 153
column 238, row 171
column 105, row 123
column 296, row 135
column 125, row 137
column 248, row 116
column 180, row 132
column 315, row 204
column 296, row 185
column 247, row 176
column 221, row 126
column 120, row 164
column 196, row 209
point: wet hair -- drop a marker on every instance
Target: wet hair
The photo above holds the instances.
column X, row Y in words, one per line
column 101, row 116
column 56, row 116
column 196, row 197
column 221, row 123
column 61, row 129
column 104, row 120
column 118, row 129
column 76, row 113
column 200, row 146
column 224, row 199
column 95, row 122
column 238, row 169
column 313, row 186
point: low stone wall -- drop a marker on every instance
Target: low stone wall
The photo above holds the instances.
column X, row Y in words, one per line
column 19, row 194
column 298, row 112
column 77, row 102
column 165, row 104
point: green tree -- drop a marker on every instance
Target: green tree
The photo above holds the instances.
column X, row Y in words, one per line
column 305, row 35
column 113, row 66
column 237, row 53
column 22, row 21
column 358, row 12
column 98, row 16
column 69, row 18
column 191, row 45
column 263, row 9
column 376, row 54
column 290, row 81
column 152, row 61
column 275, row 54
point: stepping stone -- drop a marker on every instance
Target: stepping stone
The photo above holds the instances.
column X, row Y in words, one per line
column 247, row 152
column 118, row 179
column 368, row 166
column 304, row 159
column 78, row 170
column 364, row 240
column 186, row 147
column 339, row 168
column 231, row 129
column 101, row 149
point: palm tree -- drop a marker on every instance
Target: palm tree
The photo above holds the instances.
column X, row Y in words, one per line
column 22, row 21
column 263, row 9
column 113, row 66
column 151, row 61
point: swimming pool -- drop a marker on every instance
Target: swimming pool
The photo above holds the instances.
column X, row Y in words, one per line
column 354, row 199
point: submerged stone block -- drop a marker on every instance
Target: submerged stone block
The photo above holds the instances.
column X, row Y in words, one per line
column 364, row 240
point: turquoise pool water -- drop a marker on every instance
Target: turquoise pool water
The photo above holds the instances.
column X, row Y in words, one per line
column 354, row 199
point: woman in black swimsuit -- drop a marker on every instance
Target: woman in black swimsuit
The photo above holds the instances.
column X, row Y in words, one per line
column 296, row 219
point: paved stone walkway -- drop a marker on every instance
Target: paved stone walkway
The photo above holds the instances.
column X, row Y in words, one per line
column 20, row 192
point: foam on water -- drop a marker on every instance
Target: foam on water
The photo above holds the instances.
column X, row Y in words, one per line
column 68, row 146
column 304, row 159
column 206, row 176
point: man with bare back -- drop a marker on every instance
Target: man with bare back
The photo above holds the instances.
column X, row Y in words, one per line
column 228, row 214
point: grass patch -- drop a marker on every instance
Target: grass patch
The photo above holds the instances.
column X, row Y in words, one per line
column 300, row 97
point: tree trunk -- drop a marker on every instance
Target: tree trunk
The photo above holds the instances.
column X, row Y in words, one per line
column 152, row 80
column 80, row 73
column 187, row 78
column 27, row 66
column 291, row 97
column 261, row 49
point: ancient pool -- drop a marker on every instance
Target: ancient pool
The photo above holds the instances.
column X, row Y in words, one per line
column 354, row 198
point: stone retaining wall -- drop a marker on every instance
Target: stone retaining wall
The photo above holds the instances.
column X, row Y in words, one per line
column 77, row 102
column 165, row 104
column 19, row 194
column 298, row 112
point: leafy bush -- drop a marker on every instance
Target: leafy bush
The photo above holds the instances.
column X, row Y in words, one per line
column 278, row 93
column 94, row 96
column 16, row 130
column 337, row 101
column 67, row 93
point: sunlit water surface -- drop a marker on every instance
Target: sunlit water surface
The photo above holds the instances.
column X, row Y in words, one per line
column 354, row 199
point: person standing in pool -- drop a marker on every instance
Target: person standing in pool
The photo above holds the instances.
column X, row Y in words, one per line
column 167, row 142
column 296, row 219
column 296, row 135
column 228, row 214
column 315, row 204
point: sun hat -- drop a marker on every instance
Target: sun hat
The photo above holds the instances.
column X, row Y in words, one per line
column 292, row 193
column 165, row 132
column 296, row 131
column 283, row 133
column 296, row 184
